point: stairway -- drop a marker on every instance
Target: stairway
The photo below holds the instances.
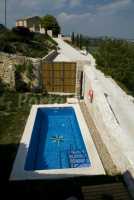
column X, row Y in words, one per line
column 113, row 191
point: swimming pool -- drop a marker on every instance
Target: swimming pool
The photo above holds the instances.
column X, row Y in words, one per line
column 56, row 143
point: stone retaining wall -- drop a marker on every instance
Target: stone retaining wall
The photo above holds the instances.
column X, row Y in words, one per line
column 7, row 69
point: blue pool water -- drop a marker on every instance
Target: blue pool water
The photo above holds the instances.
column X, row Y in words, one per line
column 56, row 141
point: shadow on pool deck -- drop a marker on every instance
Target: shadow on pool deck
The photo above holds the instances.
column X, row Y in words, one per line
column 44, row 189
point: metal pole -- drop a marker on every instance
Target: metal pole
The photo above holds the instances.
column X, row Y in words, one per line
column 5, row 13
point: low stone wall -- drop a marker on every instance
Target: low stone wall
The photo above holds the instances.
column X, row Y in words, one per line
column 80, row 69
column 7, row 68
column 50, row 57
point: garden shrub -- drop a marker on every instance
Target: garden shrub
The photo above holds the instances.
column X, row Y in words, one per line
column 21, row 86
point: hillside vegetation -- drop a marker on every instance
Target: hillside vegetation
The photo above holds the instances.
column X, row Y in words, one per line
column 116, row 59
column 85, row 42
column 23, row 42
column 49, row 22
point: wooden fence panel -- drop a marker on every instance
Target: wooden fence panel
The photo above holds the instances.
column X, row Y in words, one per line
column 59, row 77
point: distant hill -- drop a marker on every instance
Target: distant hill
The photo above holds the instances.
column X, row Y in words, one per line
column 23, row 42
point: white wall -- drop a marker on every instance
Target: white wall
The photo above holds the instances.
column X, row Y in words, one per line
column 111, row 133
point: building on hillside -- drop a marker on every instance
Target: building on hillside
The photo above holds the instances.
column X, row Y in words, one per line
column 33, row 24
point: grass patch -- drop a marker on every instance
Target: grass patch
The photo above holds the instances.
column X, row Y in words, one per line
column 14, row 110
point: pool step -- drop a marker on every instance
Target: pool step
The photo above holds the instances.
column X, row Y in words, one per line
column 64, row 159
column 78, row 159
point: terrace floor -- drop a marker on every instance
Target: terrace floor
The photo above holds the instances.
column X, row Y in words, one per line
column 115, row 191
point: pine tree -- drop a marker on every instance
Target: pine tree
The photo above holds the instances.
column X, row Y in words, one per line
column 80, row 41
column 73, row 38
column 77, row 40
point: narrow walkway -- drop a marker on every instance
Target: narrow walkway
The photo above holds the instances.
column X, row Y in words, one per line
column 105, row 157
column 114, row 191
column 67, row 53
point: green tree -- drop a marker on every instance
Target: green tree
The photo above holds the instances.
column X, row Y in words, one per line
column 77, row 40
column 116, row 58
column 2, row 28
column 49, row 22
column 80, row 41
column 73, row 38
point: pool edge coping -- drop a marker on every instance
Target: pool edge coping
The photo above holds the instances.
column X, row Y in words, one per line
column 18, row 172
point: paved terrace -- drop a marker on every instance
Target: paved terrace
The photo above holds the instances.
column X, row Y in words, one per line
column 112, row 111
column 114, row 191
column 68, row 54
